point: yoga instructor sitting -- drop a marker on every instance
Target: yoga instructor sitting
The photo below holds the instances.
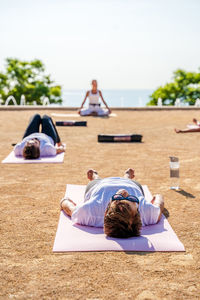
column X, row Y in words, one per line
column 94, row 108
column 115, row 203
column 37, row 144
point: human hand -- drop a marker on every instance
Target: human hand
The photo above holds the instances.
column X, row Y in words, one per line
column 158, row 200
column 79, row 110
column 68, row 206
column 60, row 150
column 123, row 192
column 153, row 199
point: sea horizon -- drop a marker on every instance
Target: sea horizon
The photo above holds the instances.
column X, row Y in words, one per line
column 113, row 97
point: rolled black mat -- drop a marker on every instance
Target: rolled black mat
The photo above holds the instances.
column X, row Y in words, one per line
column 120, row 138
column 71, row 123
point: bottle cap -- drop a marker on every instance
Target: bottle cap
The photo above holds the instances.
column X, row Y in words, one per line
column 174, row 159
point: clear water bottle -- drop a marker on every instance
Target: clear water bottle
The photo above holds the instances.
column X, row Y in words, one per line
column 174, row 173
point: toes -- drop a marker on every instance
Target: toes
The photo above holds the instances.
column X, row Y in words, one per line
column 90, row 174
column 130, row 171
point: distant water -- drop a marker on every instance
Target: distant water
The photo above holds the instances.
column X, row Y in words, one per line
column 116, row 98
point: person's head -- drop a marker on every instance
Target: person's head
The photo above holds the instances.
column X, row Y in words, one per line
column 122, row 218
column 31, row 149
column 94, row 84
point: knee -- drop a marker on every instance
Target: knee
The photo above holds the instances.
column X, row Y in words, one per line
column 45, row 117
column 37, row 117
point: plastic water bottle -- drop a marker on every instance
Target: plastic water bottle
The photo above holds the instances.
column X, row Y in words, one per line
column 174, row 173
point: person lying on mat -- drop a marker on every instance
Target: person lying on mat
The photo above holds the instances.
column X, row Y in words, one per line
column 197, row 123
column 116, row 203
column 37, row 144
column 94, row 108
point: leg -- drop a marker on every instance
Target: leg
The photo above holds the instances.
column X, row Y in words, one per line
column 85, row 112
column 102, row 111
column 187, row 130
column 33, row 126
column 94, row 179
column 130, row 174
column 49, row 129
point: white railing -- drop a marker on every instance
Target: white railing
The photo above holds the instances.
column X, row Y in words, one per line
column 10, row 98
column 22, row 100
column 159, row 103
column 45, row 101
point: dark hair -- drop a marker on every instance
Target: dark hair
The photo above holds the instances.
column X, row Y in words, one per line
column 31, row 151
column 119, row 221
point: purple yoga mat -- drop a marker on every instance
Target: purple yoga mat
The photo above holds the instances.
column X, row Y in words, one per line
column 12, row 159
column 74, row 237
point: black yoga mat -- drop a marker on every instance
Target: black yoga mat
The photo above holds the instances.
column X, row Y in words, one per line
column 71, row 123
column 119, row 138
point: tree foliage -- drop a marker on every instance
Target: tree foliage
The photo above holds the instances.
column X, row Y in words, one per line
column 28, row 79
column 185, row 86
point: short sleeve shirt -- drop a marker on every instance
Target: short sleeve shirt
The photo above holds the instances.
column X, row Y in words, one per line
column 91, row 211
column 47, row 147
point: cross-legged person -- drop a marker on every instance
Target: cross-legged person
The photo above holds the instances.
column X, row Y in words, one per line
column 94, row 108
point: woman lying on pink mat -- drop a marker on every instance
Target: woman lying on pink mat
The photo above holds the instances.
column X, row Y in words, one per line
column 115, row 203
column 37, row 144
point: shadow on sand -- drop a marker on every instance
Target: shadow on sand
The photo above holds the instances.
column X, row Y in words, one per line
column 185, row 194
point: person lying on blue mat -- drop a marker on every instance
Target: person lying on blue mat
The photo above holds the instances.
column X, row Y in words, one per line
column 116, row 203
column 37, row 144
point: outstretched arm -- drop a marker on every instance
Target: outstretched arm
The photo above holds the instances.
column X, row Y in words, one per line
column 159, row 202
column 86, row 95
column 68, row 206
column 104, row 102
column 187, row 130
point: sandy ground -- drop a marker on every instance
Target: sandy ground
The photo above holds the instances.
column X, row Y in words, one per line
column 29, row 214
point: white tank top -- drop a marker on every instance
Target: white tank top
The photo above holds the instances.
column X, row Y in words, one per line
column 93, row 98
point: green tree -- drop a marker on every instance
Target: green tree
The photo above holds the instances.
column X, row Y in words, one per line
column 28, row 79
column 185, row 86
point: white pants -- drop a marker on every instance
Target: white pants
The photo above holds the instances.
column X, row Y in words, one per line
column 94, row 108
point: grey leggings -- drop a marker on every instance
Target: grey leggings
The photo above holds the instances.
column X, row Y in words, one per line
column 96, row 182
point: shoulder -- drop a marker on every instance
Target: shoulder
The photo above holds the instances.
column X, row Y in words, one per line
column 87, row 93
column 100, row 93
column 18, row 149
column 47, row 150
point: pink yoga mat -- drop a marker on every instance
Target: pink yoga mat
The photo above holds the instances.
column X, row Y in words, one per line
column 12, row 159
column 74, row 237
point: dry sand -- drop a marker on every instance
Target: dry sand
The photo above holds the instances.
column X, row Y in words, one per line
column 29, row 205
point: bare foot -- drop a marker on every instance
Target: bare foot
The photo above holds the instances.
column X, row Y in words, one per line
column 130, row 173
column 177, row 130
column 92, row 174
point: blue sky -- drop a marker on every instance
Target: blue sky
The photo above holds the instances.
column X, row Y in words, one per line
column 123, row 43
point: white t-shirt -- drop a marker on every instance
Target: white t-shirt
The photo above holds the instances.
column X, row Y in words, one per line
column 91, row 211
column 47, row 147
